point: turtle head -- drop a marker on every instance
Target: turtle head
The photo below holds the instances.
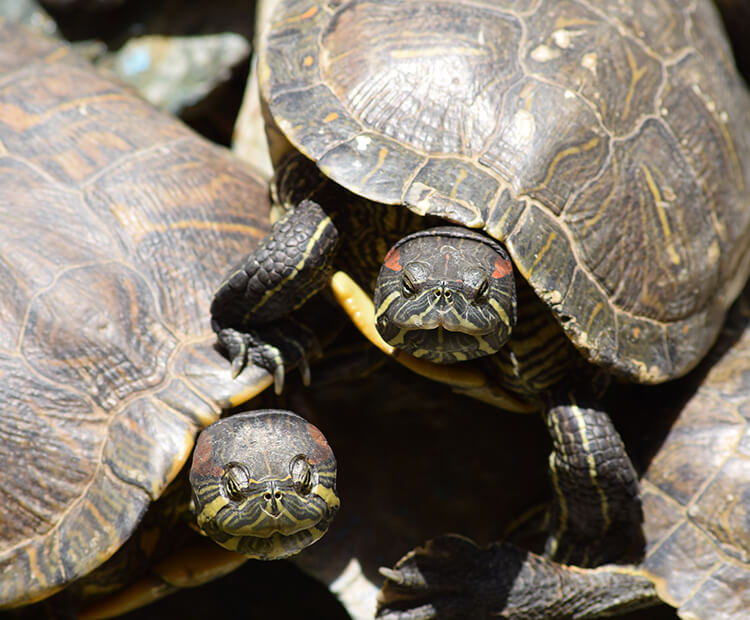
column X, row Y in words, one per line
column 264, row 483
column 446, row 294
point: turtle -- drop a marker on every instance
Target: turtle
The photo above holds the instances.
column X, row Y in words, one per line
column 409, row 420
column 695, row 489
column 115, row 222
column 541, row 197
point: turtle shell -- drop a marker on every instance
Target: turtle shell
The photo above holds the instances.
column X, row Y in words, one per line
column 607, row 148
column 696, row 488
column 116, row 223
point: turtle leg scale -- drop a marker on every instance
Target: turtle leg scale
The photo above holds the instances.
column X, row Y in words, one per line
column 597, row 515
column 250, row 310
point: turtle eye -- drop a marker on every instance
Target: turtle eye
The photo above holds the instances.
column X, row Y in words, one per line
column 407, row 286
column 477, row 283
column 482, row 290
column 414, row 276
column 301, row 474
column 236, row 478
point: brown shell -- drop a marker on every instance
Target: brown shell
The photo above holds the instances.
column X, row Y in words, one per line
column 116, row 224
column 608, row 147
column 696, row 489
column 696, row 486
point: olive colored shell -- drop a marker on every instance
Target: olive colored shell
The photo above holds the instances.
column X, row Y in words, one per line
column 116, row 223
column 696, row 489
column 606, row 145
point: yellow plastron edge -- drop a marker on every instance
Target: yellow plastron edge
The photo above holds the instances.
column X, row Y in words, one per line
column 463, row 377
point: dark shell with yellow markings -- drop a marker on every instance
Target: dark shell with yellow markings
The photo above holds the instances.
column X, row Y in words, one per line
column 607, row 148
column 116, row 223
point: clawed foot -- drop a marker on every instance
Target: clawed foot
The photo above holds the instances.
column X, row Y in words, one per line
column 451, row 577
column 448, row 577
column 278, row 347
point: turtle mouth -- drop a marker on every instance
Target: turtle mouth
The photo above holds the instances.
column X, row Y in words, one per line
column 277, row 510
column 268, row 525
column 442, row 307
column 445, row 346
column 254, row 532
column 230, row 523
column 444, row 321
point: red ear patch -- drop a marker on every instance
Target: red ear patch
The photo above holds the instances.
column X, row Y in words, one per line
column 203, row 461
column 392, row 258
column 322, row 451
column 502, row 268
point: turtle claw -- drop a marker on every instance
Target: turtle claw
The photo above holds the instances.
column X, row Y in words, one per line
column 271, row 358
column 450, row 577
column 406, row 576
column 418, row 585
column 392, row 575
column 235, row 344
column 425, row 612
column 304, row 369
column 238, row 364
column 278, row 379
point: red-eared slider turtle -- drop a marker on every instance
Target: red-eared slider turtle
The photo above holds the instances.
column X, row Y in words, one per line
column 598, row 150
column 115, row 223
column 696, row 502
column 410, row 419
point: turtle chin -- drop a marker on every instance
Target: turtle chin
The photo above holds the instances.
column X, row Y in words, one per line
column 274, row 547
column 443, row 346
column 252, row 531
column 261, row 524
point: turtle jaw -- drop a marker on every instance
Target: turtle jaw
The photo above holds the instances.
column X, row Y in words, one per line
column 430, row 329
column 270, row 529
column 441, row 345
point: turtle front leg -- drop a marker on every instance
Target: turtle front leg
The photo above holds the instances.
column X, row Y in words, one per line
column 250, row 310
column 597, row 515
